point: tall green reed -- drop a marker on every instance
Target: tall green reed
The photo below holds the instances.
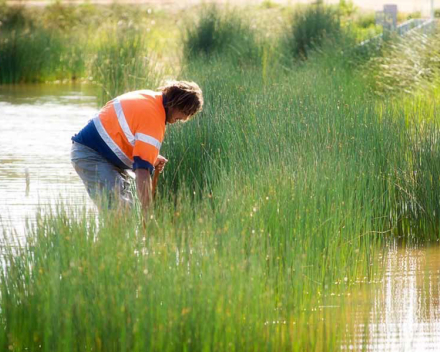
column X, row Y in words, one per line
column 33, row 52
column 406, row 65
column 309, row 28
column 121, row 62
column 237, row 276
column 220, row 31
column 27, row 52
column 291, row 190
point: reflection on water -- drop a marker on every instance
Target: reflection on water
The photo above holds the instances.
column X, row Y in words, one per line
column 403, row 312
column 36, row 124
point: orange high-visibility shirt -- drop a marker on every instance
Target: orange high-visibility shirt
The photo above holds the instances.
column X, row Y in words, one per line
column 133, row 127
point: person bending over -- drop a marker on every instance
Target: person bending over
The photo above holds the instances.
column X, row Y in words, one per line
column 127, row 133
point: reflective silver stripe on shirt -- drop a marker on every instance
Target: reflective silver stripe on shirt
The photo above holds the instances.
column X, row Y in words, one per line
column 111, row 144
column 122, row 120
column 148, row 139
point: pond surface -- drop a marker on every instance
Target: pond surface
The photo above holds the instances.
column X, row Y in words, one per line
column 36, row 124
column 399, row 312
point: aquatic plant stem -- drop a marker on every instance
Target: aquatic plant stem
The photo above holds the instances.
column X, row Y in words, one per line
column 154, row 183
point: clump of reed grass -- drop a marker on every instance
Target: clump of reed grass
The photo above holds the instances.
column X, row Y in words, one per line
column 12, row 16
column 59, row 42
column 61, row 16
column 227, row 272
column 407, row 64
column 33, row 52
column 221, row 32
column 29, row 54
column 309, row 28
column 122, row 62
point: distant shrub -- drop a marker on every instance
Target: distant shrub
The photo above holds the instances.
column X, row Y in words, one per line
column 310, row 27
column 414, row 15
column 366, row 21
column 12, row 17
column 347, row 8
column 224, row 33
column 269, row 4
column 59, row 15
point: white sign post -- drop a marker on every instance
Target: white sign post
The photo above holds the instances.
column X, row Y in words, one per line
column 387, row 19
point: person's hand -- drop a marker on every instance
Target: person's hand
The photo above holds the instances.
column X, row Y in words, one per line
column 160, row 163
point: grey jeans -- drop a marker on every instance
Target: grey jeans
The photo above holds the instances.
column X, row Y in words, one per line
column 106, row 184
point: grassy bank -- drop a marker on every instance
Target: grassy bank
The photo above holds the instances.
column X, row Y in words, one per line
column 275, row 203
column 276, row 199
column 62, row 42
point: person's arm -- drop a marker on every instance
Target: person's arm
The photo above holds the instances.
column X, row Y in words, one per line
column 143, row 186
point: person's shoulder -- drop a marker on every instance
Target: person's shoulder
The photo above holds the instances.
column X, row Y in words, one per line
column 143, row 93
column 146, row 102
column 144, row 98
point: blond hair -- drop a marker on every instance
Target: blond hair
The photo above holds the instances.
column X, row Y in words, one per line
column 184, row 96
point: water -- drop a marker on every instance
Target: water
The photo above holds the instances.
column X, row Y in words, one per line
column 36, row 124
column 399, row 312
